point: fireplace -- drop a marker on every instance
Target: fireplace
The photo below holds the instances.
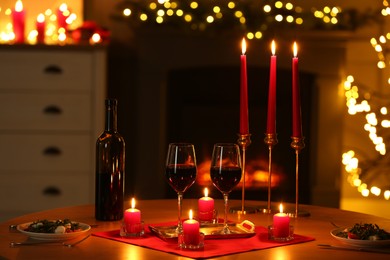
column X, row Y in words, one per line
column 203, row 108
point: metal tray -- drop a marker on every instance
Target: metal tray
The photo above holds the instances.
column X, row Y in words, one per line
column 210, row 230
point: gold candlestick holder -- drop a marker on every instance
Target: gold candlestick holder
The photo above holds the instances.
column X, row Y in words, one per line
column 271, row 140
column 244, row 140
column 297, row 144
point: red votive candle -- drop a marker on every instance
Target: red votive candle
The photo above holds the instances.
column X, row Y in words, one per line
column 18, row 22
column 206, row 207
column 191, row 231
column 132, row 219
column 281, row 224
column 244, row 124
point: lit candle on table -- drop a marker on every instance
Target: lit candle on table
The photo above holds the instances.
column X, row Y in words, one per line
column 191, row 231
column 281, row 224
column 132, row 218
column 271, row 118
column 244, row 125
column 296, row 102
column 41, row 28
column 18, row 21
column 206, row 207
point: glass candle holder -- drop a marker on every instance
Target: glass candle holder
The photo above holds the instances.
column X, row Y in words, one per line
column 132, row 230
column 273, row 234
column 207, row 217
column 192, row 244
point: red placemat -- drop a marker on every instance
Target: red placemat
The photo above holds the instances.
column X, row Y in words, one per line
column 212, row 247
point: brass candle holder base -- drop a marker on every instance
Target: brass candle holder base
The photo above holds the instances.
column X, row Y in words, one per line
column 244, row 140
column 297, row 144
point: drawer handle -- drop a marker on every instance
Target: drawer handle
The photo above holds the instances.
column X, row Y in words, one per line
column 52, row 150
column 51, row 191
column 53, row 69
column 52, row 109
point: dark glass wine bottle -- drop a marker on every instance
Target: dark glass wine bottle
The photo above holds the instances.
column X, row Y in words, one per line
column 110, row 168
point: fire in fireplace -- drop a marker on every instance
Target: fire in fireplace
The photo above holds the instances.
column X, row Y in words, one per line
column 203, row 108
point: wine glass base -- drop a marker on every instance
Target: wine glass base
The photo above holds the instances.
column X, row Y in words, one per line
column 239, row 210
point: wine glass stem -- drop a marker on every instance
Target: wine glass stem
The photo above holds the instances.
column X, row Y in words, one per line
column 179, row 228
column 225, row 224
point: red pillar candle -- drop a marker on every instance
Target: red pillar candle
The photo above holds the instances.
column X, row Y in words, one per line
column 244, row 125
column 206, row 207
column 296, row 102
column 41, row 28
column 132, row 218
column 18, row 22
column 281, row 224
column 271, row 117
column 191, row 231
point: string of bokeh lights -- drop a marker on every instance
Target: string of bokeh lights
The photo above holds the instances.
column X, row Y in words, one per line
column 254, row 17
column 376, row 119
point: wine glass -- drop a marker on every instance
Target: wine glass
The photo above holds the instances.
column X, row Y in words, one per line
column 225, row 172
column 180, row 172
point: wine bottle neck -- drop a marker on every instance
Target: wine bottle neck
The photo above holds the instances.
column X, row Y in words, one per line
column 111, row 115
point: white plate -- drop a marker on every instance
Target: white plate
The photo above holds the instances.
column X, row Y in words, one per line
column 358, row 242
column 53, row 236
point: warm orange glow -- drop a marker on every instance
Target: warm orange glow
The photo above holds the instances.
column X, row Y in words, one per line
column 273, row 47
column 132, row 203
column 206, row 192
column 18, row 6
column 243, row 46
column 281, row 208
column 295, row 49
column 190, row 214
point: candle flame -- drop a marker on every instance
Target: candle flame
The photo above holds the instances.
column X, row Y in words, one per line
column 206, row 192
column 273, row 47
column 190, row 214
column 132, row 203
column 18, row 6
column 243, row 46
column 41, row 18
column 295, row 49
column 281, row 208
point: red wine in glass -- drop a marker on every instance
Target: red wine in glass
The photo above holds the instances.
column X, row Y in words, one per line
column 225, row 178
column 225, row 173
column 180, row 176
column 180, row 172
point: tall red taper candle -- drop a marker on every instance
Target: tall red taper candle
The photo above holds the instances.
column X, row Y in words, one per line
column 244, row 124
column 271, row 118
column 18, row 22
column 296, row 102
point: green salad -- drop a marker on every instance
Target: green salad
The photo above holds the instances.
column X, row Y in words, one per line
column 364, row 232
column 53, row 226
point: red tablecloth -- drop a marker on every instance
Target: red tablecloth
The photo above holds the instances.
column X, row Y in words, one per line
column 212, row 247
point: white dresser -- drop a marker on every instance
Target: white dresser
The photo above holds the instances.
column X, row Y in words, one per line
column 51, row 112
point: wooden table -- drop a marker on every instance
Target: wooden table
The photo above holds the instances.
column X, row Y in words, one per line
column 317, row 225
